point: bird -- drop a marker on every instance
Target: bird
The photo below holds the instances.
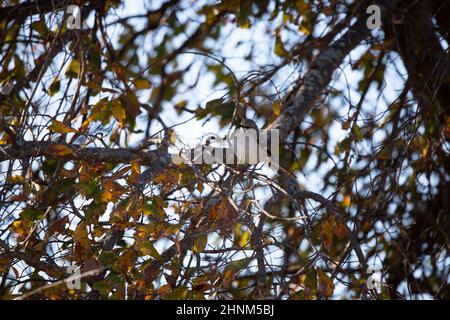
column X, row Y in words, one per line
column 249, row 124
column 245, row 142
column 244, row 147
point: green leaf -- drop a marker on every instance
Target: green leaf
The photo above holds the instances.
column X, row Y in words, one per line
column 19, row 68
column 73, row 69
column 180, row 293
column 343, row 146
column 216, row 107
column 357, row 132
column 31, row 214
column 279, row 48
column 102, row 287
column 54, row 87
column 238, row 265
column 40, row 27
column 310, row 282
column 107, row 258
column 148, row 249
column 151, row 209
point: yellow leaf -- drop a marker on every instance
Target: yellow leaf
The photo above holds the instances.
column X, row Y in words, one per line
column 73, row 69
column 19, row 227
column 181, row 104
column 214, row 212
column 425, row 151
column 114, row 137
column 142, row 83
column 305, row 30
column 86, row 123
column 112, row 191
column 172, row 136
column 136, row 167
column 60, row 127
column 244, row 239
column 117, row 110
column 276, row 108
column 59, row 150
column 15, row 179
column 5, row 139
column 200, row 243
column 279, row 48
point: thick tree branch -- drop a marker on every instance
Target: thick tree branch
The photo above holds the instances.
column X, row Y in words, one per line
column 77, row 152
column 30, row 8
column 319, row 75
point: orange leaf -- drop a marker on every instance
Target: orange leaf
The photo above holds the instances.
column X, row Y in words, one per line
column 340, row 230
column 347, row 201
column 326, row 231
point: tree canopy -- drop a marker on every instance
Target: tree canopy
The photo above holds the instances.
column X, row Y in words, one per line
column 98, row 96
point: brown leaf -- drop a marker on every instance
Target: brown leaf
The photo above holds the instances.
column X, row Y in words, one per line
column 57, row 226
column 59, row 150
column 326, row 284
column 326, row 231
column 164, row 289
column 340, row 230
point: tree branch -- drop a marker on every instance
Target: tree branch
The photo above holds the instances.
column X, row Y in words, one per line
column 77, row 152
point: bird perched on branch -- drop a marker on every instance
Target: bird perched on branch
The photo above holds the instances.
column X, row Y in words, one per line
column 249, row 124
